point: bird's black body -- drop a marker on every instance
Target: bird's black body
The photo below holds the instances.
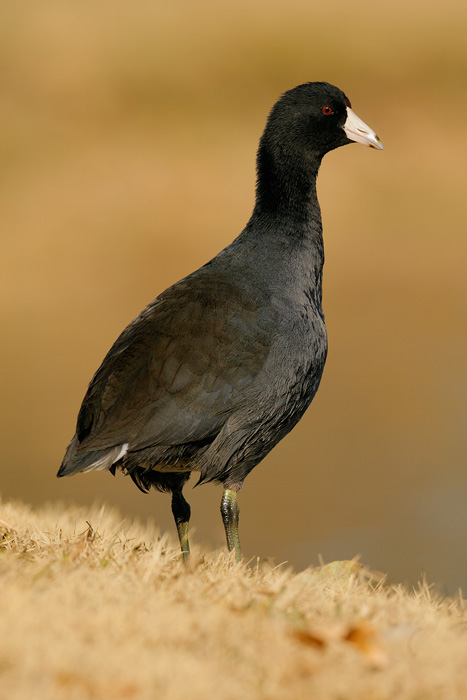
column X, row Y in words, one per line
column 223, row 364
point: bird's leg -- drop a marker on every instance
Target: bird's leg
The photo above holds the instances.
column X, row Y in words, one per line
column 230, row 511
column 181, row 511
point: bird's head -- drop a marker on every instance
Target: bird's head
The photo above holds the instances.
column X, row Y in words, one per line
column 316, row 118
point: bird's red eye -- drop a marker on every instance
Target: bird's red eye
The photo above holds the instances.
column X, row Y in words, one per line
column 326, row 110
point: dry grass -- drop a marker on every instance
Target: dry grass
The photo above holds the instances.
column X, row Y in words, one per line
column 95, row 608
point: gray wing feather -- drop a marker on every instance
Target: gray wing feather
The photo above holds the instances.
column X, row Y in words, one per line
column 152, row 388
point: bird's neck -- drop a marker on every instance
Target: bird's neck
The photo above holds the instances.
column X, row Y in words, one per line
column 288, row 216
column 286, row 187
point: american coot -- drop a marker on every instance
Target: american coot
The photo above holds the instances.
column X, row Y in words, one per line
column 223, row 364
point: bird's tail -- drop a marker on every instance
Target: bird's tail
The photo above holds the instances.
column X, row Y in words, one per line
column 78, row 460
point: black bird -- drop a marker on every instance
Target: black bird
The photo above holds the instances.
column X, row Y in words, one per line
column 223, row 364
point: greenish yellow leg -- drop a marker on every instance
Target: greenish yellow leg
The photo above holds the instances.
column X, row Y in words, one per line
column 182, row 529
column 230, row 511
column 181, row 512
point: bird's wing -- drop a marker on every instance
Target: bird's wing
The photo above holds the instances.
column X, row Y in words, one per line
column 179, row 369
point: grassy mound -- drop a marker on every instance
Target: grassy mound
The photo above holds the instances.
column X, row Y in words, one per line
column 92, row 607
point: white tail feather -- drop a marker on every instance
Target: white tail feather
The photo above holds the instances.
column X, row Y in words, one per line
column 107, row 459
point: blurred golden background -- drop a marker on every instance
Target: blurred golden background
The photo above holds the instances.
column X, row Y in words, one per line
column 128, row 134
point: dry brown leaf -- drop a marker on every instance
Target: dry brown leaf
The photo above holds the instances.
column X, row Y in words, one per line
column 309, row 639
column 364, row 637
column 266, row 592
